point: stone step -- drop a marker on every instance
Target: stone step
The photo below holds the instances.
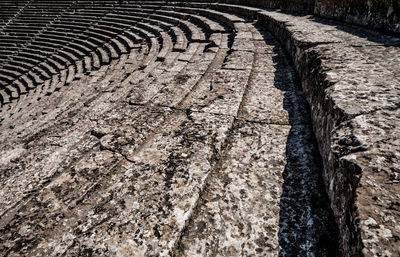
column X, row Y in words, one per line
column 180, row 129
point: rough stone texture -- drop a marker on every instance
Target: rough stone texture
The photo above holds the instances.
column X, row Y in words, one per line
column 377, row 193
column 238, row 215
column 117, row 153
column 293, row 5
column 304, row 6
column 149, row 145
column 378, row 14
column 382, row 15
column 346, row 73
column 345, row 77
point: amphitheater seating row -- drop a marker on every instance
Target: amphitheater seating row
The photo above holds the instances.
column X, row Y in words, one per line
column 184, row 57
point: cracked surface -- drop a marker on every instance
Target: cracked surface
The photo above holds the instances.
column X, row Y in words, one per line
column 349, row 74
column 182, row 130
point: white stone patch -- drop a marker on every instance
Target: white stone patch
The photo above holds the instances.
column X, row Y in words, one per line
column 180, row 217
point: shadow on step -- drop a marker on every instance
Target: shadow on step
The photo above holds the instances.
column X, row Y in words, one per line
column 307, row 225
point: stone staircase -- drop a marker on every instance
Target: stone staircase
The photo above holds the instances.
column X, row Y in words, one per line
column 175, row 128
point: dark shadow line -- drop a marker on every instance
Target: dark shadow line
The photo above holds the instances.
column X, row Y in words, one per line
column 306, row 221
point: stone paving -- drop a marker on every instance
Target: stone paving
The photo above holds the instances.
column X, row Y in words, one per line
column 184, row 129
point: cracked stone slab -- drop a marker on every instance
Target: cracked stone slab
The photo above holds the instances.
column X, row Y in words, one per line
column 47, row 154
column 339, row 83
column 38, row 114
column 145, row 89
column 125, row 129
column 265, row 100
column 221, row 94
column 299, row 29
column 274, row 97
column 358, row 85
column 368, row 143
column 200, row 63
column 353, row 35
column 243, row 40
column 239, row 210
column 344, row 75
column 151, row 195
column 221, row 40
column 79, row 208
column 239, row 60
column 385, row 56
column 175, row 91
column 161, row 186
column 54, row 151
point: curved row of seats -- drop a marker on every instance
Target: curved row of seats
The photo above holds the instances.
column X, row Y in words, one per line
column 169, row 54
column 341, row 68
column 82, row 40
column 146, row 56
column 10, row 9
column 101, row 34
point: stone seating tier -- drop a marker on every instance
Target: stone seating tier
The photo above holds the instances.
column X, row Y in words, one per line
column 184, row 128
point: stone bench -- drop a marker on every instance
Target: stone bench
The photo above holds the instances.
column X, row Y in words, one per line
column 344, row 71
column 211, row 65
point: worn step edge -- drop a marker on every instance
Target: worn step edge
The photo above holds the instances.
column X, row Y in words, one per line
column 326, row 118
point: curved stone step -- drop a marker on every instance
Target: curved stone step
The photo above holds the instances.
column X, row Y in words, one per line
column 191, row 113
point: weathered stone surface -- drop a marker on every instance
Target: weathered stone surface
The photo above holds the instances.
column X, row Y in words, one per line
column 377, row 194
column 186, row 132
column 345, row 75
column 383, row 14
column 120, row 158
column 239, row 207
column 221, row 94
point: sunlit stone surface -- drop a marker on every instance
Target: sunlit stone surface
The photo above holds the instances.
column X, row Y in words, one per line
column 195, row 129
